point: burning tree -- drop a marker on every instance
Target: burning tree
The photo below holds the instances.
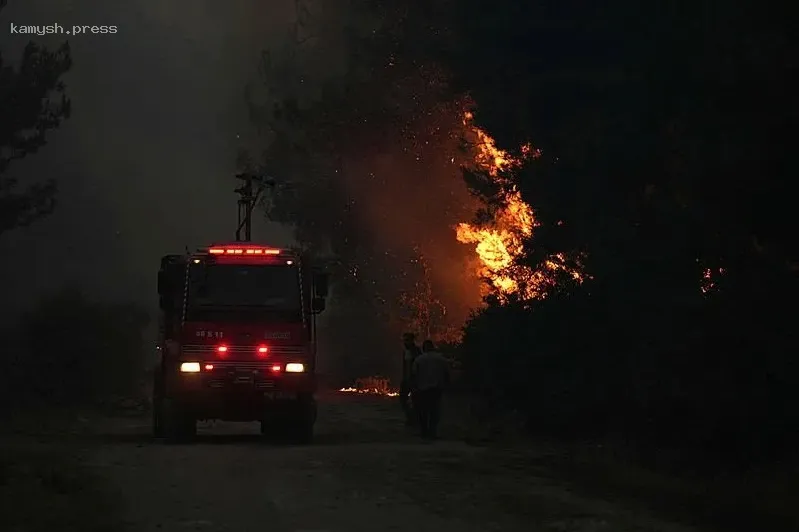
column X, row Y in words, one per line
column 659, row 167
column 506, row 224
column 362, row 153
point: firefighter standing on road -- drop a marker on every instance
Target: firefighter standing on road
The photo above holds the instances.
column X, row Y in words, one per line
column 410, row 353
column 430, row 376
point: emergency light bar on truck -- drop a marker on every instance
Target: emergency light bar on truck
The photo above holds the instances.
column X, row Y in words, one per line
column 244, row 251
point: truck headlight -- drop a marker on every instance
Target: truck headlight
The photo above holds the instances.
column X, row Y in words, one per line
column 295, row 368
column 190, row 367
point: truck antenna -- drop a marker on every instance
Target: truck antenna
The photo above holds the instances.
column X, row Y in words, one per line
column 248, row 197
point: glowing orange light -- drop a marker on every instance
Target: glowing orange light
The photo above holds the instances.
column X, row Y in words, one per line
column 372, row 386
column 242, row 251
column 498, row 244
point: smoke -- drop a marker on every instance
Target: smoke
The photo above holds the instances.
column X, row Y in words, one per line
column 372, row 163
column 410, row 199
column 145, row 164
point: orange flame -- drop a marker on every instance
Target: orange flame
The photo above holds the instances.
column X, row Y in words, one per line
column 501, row 242
column 370, row 392
column 371, row 386
column 488, row 156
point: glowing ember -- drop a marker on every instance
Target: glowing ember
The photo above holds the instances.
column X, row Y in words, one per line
column 708, row 283
column 491, row 158
column 501, row 242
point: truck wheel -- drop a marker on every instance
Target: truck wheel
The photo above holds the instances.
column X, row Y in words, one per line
column 178, row 426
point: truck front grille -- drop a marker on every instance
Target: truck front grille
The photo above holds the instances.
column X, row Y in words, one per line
column 230, row 374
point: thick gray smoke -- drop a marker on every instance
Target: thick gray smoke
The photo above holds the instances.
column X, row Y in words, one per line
column 145, row 164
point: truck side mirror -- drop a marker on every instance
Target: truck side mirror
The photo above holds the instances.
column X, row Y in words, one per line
column 318, row 305
column 320, row 284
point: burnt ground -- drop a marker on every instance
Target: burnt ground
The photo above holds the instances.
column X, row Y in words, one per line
column 364, row 472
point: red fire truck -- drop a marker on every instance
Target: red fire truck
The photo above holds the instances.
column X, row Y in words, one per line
column 237, row 340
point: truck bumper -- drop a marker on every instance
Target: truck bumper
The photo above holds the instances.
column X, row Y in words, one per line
column 243, row 396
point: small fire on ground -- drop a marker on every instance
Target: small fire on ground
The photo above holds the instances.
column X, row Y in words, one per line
column 372, row 386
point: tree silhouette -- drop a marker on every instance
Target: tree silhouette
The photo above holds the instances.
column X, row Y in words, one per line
column 32, row 102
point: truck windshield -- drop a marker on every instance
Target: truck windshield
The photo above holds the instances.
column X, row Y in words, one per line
column 230, row 286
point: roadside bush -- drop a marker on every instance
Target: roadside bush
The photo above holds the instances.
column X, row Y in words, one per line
column 74, row 351
column 537, row 361
column 714, row 379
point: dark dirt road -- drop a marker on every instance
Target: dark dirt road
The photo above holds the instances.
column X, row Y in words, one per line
column 365, row 472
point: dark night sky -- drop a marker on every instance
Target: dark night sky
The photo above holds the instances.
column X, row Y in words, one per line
column 144, row 164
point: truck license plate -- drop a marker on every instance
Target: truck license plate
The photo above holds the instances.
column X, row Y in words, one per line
column 243, row 378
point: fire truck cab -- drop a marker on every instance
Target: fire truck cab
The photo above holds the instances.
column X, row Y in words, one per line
column 237, row 340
